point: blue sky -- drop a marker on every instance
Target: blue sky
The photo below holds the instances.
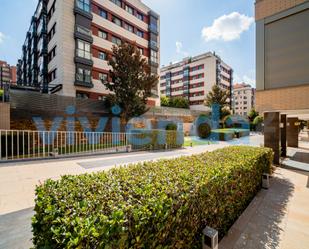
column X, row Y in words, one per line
column 188, row 28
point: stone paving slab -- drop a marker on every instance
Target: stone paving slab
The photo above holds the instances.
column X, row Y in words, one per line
column 277, row 218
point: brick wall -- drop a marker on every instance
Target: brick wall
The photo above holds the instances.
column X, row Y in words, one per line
column 266, row 8
column 291, row 98
column 4, row 116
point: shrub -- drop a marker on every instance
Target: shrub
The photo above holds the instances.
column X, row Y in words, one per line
column 204, row 130
column 171, row 127
column 163, row 204
column 153, row 139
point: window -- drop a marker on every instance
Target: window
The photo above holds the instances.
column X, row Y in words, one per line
column 83, row 75
column 51, row 54
column 153, row 24
column 103, row 77
column 141, row 50
column 116, row 40
column 154, row 56
column 117, row 2
column 51, row 11
column 51, row 33
column 83, row 49
column 102, row 55
column 128, row 27
column 140, row 33
column 116, row 20
column 103, row 13
column 83, row 5
column 83, row 30
column 80, row 95
column 129, row 9
column 52, row 75
column 140, row 16
column 102, row 34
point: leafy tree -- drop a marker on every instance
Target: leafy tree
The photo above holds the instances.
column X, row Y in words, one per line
column 179, row 102
column 218, row 96
column 132, row 80
column 258, row 120
column 176, row 102
column 165, row 101
column 253, row 114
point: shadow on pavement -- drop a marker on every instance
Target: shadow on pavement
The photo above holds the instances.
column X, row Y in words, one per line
column 15, row 229
column 262, row 224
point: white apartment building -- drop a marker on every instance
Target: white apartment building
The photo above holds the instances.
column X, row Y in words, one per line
column 243, row 99
column 69, row 42
column 194, row 77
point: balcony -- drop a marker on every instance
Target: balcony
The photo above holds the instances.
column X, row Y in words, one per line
column 83, row 80
column 83, row 57
column 83, row 33
column 83, row 9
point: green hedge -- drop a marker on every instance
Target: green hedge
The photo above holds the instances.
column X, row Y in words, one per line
column 163, row 204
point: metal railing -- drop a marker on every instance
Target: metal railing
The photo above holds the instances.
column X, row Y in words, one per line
column 29, row 145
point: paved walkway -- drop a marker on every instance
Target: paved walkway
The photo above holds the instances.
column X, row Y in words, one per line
column 276, row 218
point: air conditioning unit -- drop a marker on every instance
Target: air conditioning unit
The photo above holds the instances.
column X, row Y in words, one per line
column 210, row 238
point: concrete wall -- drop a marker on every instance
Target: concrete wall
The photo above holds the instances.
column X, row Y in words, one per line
column 4, row 116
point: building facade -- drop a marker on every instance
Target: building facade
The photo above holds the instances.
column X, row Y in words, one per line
column 282, row 75
column 69, row 42
column 243, row 99
column 7, row 73
column 282, row 54
column 194, row 77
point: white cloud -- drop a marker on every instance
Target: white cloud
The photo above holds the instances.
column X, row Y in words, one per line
column 227, row 27
column 2, row 36
column 179, row 49
column 244, row 79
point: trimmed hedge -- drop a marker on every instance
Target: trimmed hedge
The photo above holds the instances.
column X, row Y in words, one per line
column 163, row 204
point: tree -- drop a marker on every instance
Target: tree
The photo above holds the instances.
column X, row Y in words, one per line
column 165, row 101
column 132, row 80
column 176, row 102
column 218, row 96
column 253, row 114
column 179, row 102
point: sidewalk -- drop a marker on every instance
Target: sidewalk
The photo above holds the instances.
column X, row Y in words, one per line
column 276, row 218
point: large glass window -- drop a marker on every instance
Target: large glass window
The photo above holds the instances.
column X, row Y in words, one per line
column 128, row 27
column 117, row 2
column 83, row 5
column 140, row 16
column 83, row 49
column 153, row 24
column 102, row 55
column 116, row 40
column 103, row 77
column 140, row 33
column 102, row 34
column 117, row 21
column 154, row 56
column 129, row 9
column 83, row 75
column 103, row 13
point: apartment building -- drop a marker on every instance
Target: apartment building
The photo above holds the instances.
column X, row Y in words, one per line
column 243, row 99
column 68, row 44
column 7, row 73
column 282, row 75
column 194, row 77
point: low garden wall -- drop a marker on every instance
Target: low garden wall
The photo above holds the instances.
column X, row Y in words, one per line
column 163, row 204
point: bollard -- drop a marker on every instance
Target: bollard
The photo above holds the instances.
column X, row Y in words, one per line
column 210, row 238
column 129, row 148
column 265, row 181
column 165, row 146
